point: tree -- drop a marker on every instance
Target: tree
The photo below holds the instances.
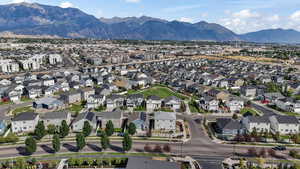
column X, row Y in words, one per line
column 51, row 129
column 254, row 132
column 64, row 129
column 87, row 129
column 235, row 116
column 30, row 145
column 56, row 143
column 109, row 128
column 80, row 141
column 131, row 129
column 40, row 130
column 104, row 141
column 127, row 142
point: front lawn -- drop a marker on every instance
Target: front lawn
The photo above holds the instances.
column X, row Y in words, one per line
column 162, row 92
column 249, row 110
column 76, row 108
column 22, row 109
column 193, row 107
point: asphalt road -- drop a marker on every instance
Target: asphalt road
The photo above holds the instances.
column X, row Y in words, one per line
column 266, row 111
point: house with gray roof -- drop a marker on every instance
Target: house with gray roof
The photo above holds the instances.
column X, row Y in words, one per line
column 116, row 116
column 24, row 122
column 56, row 118
column 165, row 121
column 48, row 103
column 134, row 100
column 153, row 103
column 78, row 123
column 260, row 123
column 285, row 125
column 228, row 127
column 71, row 97
column 172, row 102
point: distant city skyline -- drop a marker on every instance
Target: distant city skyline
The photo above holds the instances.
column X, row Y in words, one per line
column 241, row 16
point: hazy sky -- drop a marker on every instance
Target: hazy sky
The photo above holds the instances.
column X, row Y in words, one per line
column 238, row 15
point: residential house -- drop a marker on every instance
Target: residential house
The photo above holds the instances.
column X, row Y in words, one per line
column 141, row 121
column 260, row 123
column 48, row 103
column 153, row 103
column 172, row 102
column 248, row 91
column 218, row 94
column 134, row 100
column 24, row 122
column 235, row 104
column 288, row 104
column 71, row 97
column 94, row 101
column 114, row 101
column 33, row 92
column 56, row 118
column 229, row 128
column 209, row 103
column 285, row 125
column 116, row 116
column 272, row 97
column 78, row 123
column 86, row 92
column 165, row 121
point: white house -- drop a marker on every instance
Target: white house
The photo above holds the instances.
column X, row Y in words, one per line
column 153, row 103
column 284, row 124
column 260, row 123
column 24, row 122
column 288, row 104
column 165, row 121
column 235, row 105
column 209, row 103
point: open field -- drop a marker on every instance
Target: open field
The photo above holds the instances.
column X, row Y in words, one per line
column 162, row 92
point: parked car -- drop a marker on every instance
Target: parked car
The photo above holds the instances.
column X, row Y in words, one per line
column 279, row 148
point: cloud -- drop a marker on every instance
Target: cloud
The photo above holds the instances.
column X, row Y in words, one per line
column 185, row 19
column 133, row 1
column 181, row 8
column 66, row 4
column 249, row 20
column 295, row 16
column 19, row 1
column 246, row 13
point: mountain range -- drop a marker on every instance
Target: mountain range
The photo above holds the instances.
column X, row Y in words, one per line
column 38, row 19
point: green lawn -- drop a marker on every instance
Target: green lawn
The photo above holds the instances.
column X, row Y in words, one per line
column 245, row 110
column 22, row 109
column 25, row 99
column 291, row 113
column 193, row 108
column 76, row 108
column 160, row 91
column 4, row 103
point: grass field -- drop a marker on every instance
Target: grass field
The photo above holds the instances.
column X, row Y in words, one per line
column 75, row 108
column 22, row 109
column 245, row 110
column 160, row 91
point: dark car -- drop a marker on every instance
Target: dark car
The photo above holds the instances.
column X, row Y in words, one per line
column 279, row 148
